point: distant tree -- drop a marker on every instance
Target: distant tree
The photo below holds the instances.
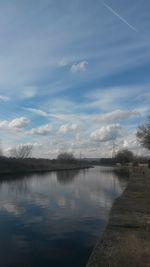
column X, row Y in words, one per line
column 66, row 157
column 143, row 134
column 1, row 150
column 124, row 156
column 22, row 151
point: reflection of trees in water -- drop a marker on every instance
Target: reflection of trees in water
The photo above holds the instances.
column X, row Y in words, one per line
column 17, row 184
column 122, row 177
column 64, row 177
column 18, row 187
column 84, row 171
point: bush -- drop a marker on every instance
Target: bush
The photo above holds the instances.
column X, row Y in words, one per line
column 66, row 157
column 124, row 156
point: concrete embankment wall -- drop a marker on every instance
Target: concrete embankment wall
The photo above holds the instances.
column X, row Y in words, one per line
column 126, row 239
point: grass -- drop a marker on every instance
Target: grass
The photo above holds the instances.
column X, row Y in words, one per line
column 122, row 170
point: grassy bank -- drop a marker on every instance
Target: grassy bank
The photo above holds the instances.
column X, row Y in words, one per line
column 126, row 240
column 122, row 170
column 30, row 165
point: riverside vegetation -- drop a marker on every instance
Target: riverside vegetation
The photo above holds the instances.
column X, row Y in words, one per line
column 26, row 165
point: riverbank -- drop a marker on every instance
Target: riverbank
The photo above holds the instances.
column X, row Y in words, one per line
column 67, row 168
column 126, row 239
column 10, row 166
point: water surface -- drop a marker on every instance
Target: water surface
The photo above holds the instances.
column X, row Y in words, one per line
column 54, row 219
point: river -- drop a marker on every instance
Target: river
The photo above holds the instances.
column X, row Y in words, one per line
column 54, row 219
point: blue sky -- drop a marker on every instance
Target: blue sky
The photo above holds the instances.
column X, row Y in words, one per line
column 74, row 75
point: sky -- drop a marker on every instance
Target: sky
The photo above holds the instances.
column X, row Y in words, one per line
column 74, row 75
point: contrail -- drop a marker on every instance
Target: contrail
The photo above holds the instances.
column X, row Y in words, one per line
column 121, row 18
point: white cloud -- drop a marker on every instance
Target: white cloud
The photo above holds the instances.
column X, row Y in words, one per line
column 4, row 98
column 65, row 128
column 17, row 123
column 57, row 108
column 116, row 115
column 37, row 111
column 106, row 133
column 129, row 141
column 3, row 124
column 42, row 130
column 109, row 98
column 29, row 91
column 79, row 67
column 63, row 62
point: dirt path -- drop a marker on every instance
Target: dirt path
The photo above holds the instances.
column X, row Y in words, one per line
column 126, row 240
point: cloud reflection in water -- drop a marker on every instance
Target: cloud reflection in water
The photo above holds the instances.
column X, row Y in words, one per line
column 53, row 219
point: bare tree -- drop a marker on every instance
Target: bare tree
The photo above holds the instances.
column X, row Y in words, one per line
column 143, row 134
column 1, row 150
column 124, row 156
column 22, row 151
column 66, row 157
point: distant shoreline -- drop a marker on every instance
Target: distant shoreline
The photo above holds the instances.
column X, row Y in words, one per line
column 10, row 166
column 126, row 239
column 46, row 170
